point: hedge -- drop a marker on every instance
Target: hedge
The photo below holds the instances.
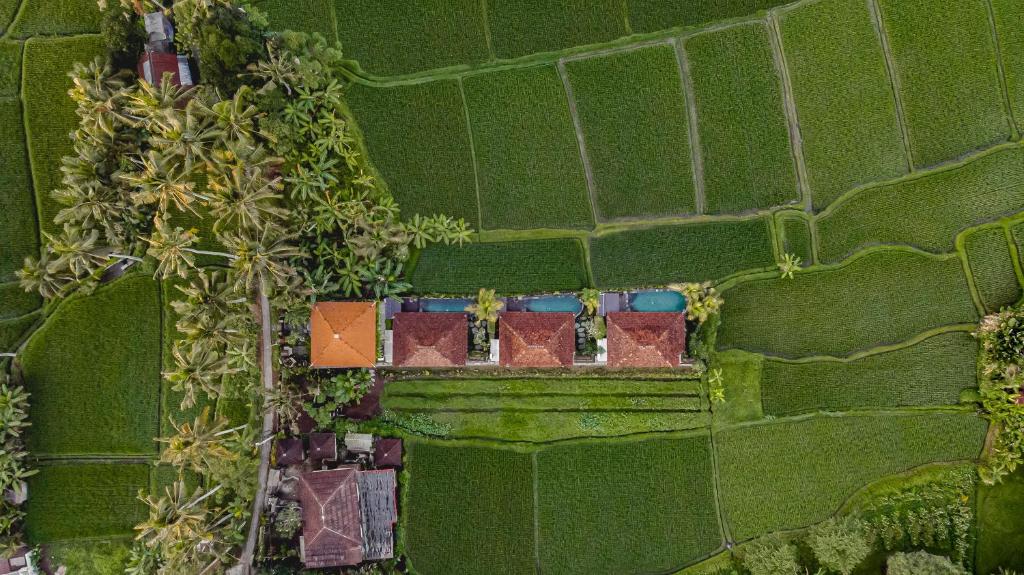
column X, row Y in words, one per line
column 524, row 27
column 56, row 18
column 310, row 16
column 419, row 142
column 528, row 159
column 1009, row 16
column 93, row 370
column 945, row 58
column 85, row 500
column 681, row 253
column 18, row 234
column 843, row 97
column 988, row 256
column 468, row 510
column 932, row 372
column 630, row 507
column 654, row 15
column 633, row 113
column 516, row 267
column 390, row 37
column 881, row 297
column 744, row 137
column 50, row 114
column 789, row 474
column 928, row 210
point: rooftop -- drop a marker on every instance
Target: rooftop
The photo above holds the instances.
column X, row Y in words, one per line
column 344, row 334
column 331, row 523
column 645, row 339
column 529, row 339
column 430, row 339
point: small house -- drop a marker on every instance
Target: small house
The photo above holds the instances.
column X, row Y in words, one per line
column 289, row 451
column 530, row 339
column 645, row 339
column 430, row 339
column 359, row 442
column 343, row 334
column 323, row 446
column 155, row 66
column 387, row 452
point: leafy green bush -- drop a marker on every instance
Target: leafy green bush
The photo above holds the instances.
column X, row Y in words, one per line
column 988, row 256
column 884, row 296
column 848, row 121
column 228, row 42
column 56, row 18
column 921, row 563
column 523, row 27
column 637, row 139
column 840, row 545
column 771, row 558
column 124, row 35
column 93, row 557
column 743, row 132
column 528, row 159
column 627, row 507
column 680, row 253
column 944, row 55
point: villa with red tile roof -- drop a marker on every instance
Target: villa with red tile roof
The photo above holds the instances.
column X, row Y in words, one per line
column 528, row 339
column 430, row 339
column 645, row 339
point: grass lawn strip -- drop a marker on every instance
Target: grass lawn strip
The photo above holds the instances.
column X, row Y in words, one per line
column 879, row 297
column 530, row 171
column 1009, row 17
column 926, row 211
column 633, row 112
column 932, row 372
column 991, row 264
column 946, row 61
column 524, row 27
column 659, row 255
column 71, row 501
column 390, row 37
column 50, row 113
column 18, row 233
column 843, row 97
column 748, row 162
column 469, row 510
column 626, row 507
column 790, row 474
column 97, row 394
column 418, row 141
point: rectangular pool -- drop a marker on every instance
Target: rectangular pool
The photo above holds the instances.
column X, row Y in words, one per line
column 554, row 303
column 448, row 305
column 657, row 300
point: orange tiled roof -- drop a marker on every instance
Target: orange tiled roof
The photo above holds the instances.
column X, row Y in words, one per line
column 344, row 334
column 535, row 339
column 645, row 339
column 430, row 339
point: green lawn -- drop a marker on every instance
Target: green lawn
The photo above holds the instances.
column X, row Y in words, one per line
column 882, row 297
column 1001, row 525
column 654, row 15
column 56, row 17
column 18, row 234
column 679, row 253
column 932, row 372
column 635, row 126
column 50, row 114
column 742, row 125
column 945, row 59
column 991, row 263
column 418, row 140
column 510, row 267
column 469, row 510
column 311, row 16
column 626, row 507
column 390, row 37
column 528, row 159
column 925, row 211
column 789, row 474
column 843, row 97
column 94, row 372
column 72, row 501
column 524, row 27
column 1009, row 16
column 796, row 235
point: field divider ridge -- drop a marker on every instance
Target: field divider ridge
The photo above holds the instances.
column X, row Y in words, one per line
column 588, row 171
column 1014, row 254
column 1001, row 70
column 894, row 81
column 789, row 107
column 487, row 30
column 536, row 511
column 961, row 252
column 696, row 153
column 472, row 154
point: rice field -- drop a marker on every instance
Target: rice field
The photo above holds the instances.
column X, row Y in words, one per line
column 310, row 16
column 55, row 18
column 881, row 297
column 510, row 267
column 528, row 159
column 85, row 500
column 14, row 301
column 748, row 162
column 419, row 142
column 843, row 96
column 13, row 330
column 654, row 15
column 1001, row 525
column 633, row 112
column 524, row 27
column 681, row 253
column 469, row 510
column 10, row 68
column 988, row 255
column 1009, row 21
column 788, row 474
column 931, row 372
column 626, row 507
column 392, row 37
column 945, row 59
column 18, row 233
column 8, row 8
column 97, row 394
column 925, row 211
column 796, row 235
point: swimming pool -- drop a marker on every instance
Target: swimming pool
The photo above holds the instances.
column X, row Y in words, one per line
column 553, row 303
column 657, row 300
column 444, row 304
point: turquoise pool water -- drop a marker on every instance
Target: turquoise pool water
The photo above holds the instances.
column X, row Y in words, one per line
column 444, row 304
column 657, row 300
column 552, row 303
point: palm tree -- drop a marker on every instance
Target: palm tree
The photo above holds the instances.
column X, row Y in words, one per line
column 38, row 275
column 789, row 265
column 199, row 369
column 182, row 530
column 196, row 444
column 261, row 258
column 189, row 134
column 486, row 307
column 236, row 118
column 161, row 180
column 77, row 250
column 384, row 277
column 245, row 200
column 170, row 246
